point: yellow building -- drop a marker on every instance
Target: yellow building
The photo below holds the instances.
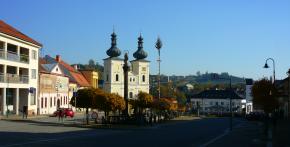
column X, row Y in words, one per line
column 91, row 76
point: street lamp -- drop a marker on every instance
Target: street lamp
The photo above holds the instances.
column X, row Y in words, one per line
column 266, row 66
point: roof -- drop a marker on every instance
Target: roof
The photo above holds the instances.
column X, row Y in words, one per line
column 74, row 76
column 114, row 58
column 9, row 30
column 217, row 94
column 49, row 67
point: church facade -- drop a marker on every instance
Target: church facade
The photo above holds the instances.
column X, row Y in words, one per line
column 138, row 76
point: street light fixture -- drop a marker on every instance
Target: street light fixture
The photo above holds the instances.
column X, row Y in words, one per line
column 266, row 66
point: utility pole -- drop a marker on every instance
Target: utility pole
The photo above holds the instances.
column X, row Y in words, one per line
column 158, row 46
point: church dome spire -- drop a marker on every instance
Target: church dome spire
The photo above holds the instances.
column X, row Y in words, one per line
column 140, row 53
column 114, row 51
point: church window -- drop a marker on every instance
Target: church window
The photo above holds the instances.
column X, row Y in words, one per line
column 143, row 78
column 107, row 77
column 117, row 77
column 131, row 95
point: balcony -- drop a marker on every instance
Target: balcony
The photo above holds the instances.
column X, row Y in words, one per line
column 14, row 78
column 12, row 56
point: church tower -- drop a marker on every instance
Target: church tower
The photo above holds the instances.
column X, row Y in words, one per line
column 138, row 76
column 113, row 69
column 140, row 67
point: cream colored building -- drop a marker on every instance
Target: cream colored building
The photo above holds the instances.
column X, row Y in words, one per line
column 138, row 76
column 91, row 76
column 53, row 89
column 18, row 71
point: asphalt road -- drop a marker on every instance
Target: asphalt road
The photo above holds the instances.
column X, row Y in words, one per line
column 185, row 134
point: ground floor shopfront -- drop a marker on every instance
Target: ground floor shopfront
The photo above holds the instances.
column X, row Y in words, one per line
column 15, row 100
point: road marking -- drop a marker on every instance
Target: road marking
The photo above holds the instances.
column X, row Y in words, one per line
column 215, row 139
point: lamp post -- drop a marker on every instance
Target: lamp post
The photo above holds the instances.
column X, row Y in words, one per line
column 266, row 66
column 158, row 46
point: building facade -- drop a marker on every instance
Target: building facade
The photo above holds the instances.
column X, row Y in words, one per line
column 18, row 71
column 217, row 101
column 249, row 97
column 138, row 76
column 53, row 89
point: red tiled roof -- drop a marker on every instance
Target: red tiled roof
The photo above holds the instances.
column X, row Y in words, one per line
column 67, row 66
column 9, row 30
column 81, row 80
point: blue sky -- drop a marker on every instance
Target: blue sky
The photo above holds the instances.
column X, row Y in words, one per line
column 234, row 36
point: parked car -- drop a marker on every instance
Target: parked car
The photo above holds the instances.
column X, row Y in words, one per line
column 255, row 116
column 64, row 112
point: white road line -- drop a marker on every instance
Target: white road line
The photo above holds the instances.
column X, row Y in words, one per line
column 215, row 139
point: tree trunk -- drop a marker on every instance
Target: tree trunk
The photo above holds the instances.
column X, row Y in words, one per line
column 87, row 115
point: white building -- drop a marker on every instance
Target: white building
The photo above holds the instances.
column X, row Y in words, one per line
column 217, row 101
column 18, row 71
column 249, row 98
column 138, row 76
column 53, row 89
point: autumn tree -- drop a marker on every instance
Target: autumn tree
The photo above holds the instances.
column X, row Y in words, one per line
column 265, row 95
column 145, row 100
column 84, row 99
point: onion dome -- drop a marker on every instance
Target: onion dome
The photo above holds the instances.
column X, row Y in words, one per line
column 140, row 53
column 114, row 51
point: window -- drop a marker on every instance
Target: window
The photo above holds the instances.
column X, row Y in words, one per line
column 107, row 77
column 33, row 73
column 34, row 55
column 117, row 77
column 143, row 78
column 50, row 102
column 222, row 103
column 45, row 104
column 60, row 100
column 42, row 102
column 2, row 45
column 54, row 101
column 216, row 103
column 32, row 98
column 131, row 94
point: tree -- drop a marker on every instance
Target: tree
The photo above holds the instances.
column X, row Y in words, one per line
column 145, row 100
column 84, row 99
column 265, row 95
column 110, row 102
column 91, row 64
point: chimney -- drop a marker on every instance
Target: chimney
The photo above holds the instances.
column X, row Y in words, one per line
column 58, row 58
column 76, row 67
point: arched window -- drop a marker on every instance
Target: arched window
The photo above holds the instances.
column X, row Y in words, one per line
column 143, row 78
column 107, row 77
column 117, row 77
column 131, row 94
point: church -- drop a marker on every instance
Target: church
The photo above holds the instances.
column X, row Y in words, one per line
column 138, row 75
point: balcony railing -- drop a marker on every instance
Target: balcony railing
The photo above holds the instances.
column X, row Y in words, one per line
column 14, row 56
column 14, row 78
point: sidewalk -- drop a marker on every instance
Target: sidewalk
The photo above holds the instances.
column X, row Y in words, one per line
column 281, row 134
column 246, row 135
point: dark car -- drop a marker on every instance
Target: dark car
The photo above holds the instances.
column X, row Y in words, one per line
column 255, row 116
column 63, row 112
